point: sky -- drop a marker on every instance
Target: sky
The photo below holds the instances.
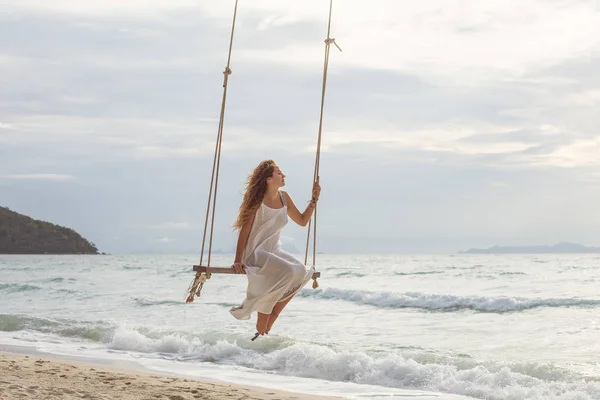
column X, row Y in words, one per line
column 448, row 124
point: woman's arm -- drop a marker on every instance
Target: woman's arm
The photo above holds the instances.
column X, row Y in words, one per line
column 295, row 214
column 241, row 245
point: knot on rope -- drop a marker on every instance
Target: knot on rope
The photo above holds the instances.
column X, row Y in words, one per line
column 196, row 286
column 329, row 41
column 226, row 74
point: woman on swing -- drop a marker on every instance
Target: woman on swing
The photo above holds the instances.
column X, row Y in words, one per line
column 274, row 276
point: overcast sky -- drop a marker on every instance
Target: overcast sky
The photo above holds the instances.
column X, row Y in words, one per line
column 448, row 124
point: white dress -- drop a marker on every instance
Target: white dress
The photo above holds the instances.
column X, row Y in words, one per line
column 273, row 275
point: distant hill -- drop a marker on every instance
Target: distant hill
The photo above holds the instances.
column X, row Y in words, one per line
column 20, row 234
column 557, row 248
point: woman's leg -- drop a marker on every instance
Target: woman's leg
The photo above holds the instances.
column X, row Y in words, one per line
column 275, row 313
column 262, row 323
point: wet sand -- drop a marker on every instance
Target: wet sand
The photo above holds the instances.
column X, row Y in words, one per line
column 33, row 377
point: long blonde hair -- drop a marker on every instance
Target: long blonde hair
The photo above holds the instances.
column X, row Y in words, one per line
column 256, row 187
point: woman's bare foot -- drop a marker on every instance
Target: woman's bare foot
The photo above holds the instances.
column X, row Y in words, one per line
column 262, row 323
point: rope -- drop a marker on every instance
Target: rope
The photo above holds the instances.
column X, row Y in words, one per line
column 328, row 42
column 200, row 278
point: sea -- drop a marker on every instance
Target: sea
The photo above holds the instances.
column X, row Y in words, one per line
column 457, row 326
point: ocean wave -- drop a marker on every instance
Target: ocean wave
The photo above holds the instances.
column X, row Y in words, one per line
column 60, row 279
column 351, row 274
column 183, row 272
column 144, row 302
column 444, row 303
column 445, row 374
column 17, row 287
column 418, row 273
column 98, row 331
column 418, row 369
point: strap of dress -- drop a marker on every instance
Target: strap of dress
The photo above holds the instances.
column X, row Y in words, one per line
column 282, row 198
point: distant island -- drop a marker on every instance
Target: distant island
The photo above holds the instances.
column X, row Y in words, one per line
column 20, row 234
column 557, row 248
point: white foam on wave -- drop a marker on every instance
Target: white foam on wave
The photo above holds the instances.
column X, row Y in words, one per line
column 494, row 381
column 440, row 302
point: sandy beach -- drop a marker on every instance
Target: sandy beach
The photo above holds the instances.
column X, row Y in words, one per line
column 33, row 377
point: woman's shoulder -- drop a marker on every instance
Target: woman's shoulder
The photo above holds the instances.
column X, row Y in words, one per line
column 285, row 196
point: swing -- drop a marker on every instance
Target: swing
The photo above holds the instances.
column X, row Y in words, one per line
column 204, row 272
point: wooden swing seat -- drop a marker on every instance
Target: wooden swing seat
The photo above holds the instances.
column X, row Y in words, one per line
column 229, row 270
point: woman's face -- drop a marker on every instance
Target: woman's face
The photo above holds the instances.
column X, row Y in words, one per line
column 278, row 178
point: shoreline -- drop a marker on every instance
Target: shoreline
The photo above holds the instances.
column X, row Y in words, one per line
column 30, row 374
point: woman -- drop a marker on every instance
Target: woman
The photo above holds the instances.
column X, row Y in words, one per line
column 274, row 276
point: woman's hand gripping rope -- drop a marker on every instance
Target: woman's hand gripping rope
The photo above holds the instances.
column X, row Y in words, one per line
column 316, row 192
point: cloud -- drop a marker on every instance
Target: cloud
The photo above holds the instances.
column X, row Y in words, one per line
column 467, row 41
column 440, row 39
column 265, row 104
column 96, row 137
column 522, row 136
column 584, row 98
column 95, row 7
column 447, row 124
column 173, row 225
column 39, row 177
